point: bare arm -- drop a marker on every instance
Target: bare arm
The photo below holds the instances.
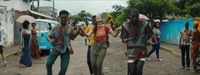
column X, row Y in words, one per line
column 23, row 32
column 114, row 34
column 70, row 47
column 180, row 38
column 49, row 37
column 89, row 33
column 84, row 33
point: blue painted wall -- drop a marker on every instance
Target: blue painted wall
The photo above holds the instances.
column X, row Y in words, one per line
column 170, row 30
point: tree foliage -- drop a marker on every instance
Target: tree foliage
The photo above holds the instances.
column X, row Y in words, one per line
column 82, row 15
column 158, row 9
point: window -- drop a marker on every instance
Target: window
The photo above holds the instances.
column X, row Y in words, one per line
column 42, row 26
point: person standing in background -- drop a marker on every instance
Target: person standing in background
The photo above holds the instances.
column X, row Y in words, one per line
column 3, row 36
column 184, row 45
column 91, row 41
column 35, row 51
column 195, row 46
column 155, row 42
column 26, row 58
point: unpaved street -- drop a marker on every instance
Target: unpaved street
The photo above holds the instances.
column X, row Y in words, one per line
column 114, row 63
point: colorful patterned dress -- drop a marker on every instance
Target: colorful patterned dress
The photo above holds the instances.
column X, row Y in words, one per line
column 35, row 52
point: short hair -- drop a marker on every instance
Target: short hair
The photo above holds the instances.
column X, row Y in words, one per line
column 64, row 12
column 94, row 17
column 25, row 24
column 0, row 23
column 33, row 24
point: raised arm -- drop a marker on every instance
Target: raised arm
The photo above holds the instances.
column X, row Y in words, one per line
column 50, row 36
column 82, row 32
column 113, row 33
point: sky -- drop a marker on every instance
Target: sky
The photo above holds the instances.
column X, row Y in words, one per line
column 92, row 6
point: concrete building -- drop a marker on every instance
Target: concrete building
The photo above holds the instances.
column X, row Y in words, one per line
column 21, row 5
column 47, row 10
column 9, row 11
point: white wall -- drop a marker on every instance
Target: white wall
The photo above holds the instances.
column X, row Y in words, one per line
column 7, row 17
column 16, row 4
column 7, row 21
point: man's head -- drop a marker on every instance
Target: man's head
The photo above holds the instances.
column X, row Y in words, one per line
column 134, row 16
column 94, row 19
column 63, row 14
column 157, row 25
column 186, row 25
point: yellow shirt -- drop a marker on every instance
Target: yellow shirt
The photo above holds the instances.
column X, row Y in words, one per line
column 87, row 29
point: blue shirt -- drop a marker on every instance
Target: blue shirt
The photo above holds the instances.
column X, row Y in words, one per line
column 60, row 37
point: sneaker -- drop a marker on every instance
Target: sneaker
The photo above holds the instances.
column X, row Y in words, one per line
column 159, row 59
column 148, row 59
column 183, row 67
column 188, row 68
column 5, row 63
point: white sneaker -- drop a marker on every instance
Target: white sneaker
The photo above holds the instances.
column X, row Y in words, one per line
column 5, row 63
column 188, row 68
column 148, row 59
column 159, row 59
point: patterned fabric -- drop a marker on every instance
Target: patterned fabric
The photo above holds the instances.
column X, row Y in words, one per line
column 195, row 44
column 35, row 52
column 60, row 37
column 127, row 32
column 156, row 32
column 185, row 37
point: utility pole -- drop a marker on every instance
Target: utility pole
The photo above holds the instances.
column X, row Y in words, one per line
column 38, row 4
column 53, row 9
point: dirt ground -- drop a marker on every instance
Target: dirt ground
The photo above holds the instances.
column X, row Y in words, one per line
column 115, row 63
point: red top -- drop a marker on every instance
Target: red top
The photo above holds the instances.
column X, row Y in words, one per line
column 102, row 32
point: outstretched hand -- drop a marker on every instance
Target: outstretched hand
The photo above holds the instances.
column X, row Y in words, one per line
column 81, row 32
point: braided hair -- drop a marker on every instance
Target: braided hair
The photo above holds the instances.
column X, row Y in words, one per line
column 134, row 25
column 94, row 22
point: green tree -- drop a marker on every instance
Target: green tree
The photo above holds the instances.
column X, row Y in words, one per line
column 154, row 9
column 82, row 15
column 189, row 7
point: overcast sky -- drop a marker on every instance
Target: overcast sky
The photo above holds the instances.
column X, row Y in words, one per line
column 93, row 6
